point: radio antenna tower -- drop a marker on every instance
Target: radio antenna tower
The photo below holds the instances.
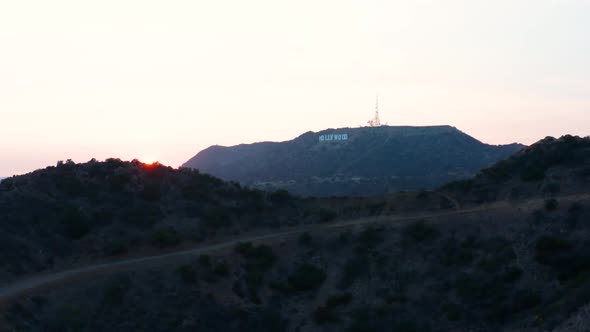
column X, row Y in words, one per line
column 375, row 122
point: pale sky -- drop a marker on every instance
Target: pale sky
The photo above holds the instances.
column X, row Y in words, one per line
column 162, row 80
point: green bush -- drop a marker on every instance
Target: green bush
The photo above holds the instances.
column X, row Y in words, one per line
column 584, row 172
column 221, row 269
column 280, row 196
column 217, row 217
column 420, row 232
column 143, row 215
column 151, row 192
column 353, row 268
column 323, row 315
column 460, row 185
column 258, row 261
column 327, row 215
column 551, row 204
column 511, row 274
column 340, row 299
column 305, row 239
column 371, row 236
column 533, row 173
column 307, row 277
column 499, row 171
column 164, row 238
column 548, row 247
column 75, row 224
column 69, row 318
column 261, row 256
column 117, row 247
column 114, row 293
column 187, row 274
column 452, row 311
column 455, row 254
column 204, row 260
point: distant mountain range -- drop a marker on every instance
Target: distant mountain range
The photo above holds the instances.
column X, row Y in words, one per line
column 354, row 161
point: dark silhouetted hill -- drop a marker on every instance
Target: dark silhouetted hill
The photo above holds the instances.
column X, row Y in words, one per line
column 549, row 167
column 370, row 161
column 68, row 212
column 431, row 260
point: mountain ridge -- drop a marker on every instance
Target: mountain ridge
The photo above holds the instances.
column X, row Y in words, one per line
column 354, row 161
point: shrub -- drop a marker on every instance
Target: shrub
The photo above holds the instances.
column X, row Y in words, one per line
column 144, row 215
column 371, row 236
column 584, row 172
column 69, row 318
column 553, row 188
column 261, row 256
column 204, row 260
column 376, row 207
column 187, row 274
column 116, row 247
column 115, row 292
column 304, row 239
column 499, row 171
column 354, row 267
column 307, row 277
column 221, row 269
column 460, row 185
column 445, row 203
column 75, row 224
column 533, row 173
column 339, row 300
column 118, row 182
column 500, row 253
column 165, row 238
column 511, row 274
column 327, row 215
column 524, row 300
column 280, row 196
column 521, row 300
column 455, row 254
column 258, row 261
column 547, row 247
column 420, row 232
column 323, row 315
column 452, row 311
column 575, row 208
column 151, row 192
column 217, row 217
column 551, row 204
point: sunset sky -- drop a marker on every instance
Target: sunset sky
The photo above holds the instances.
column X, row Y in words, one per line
column 161, row 80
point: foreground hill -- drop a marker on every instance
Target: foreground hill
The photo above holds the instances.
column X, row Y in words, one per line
column 78, row 213
column 354, row 161
column 504, row 251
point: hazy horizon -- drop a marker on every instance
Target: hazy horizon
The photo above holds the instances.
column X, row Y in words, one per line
column 2, row 176
column 162, row 81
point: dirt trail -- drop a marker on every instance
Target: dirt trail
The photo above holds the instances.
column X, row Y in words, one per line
column 32, row 283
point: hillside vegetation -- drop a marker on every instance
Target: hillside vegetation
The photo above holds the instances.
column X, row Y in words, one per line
column 78, row 213
column 549, row 167
column 371, row 161
column 510, row 253
column 75, row 212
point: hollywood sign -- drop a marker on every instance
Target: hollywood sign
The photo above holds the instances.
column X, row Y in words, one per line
column 334, row 137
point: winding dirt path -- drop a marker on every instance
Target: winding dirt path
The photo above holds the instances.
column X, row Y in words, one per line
column 36, row 282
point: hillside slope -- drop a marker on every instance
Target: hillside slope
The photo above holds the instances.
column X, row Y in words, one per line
column 72, row 213
column 369, row 161
column 518, row 262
